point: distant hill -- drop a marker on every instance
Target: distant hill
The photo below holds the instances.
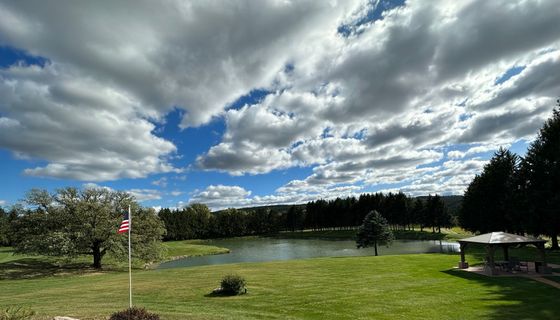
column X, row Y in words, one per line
column 280, row 208
column 453, row 203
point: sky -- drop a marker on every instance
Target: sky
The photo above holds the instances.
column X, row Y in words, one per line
column 248, row 103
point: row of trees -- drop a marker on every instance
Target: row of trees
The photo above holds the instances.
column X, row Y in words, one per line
column 519, row 194
column 74, row 222
column 197, row 222
column 402, row 212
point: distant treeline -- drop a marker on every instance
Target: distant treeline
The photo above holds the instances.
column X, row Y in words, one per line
column 401, row 211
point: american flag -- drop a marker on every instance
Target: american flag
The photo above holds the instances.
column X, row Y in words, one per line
column 124, row 224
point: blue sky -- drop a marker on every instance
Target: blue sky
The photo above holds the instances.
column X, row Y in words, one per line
column 237, row 104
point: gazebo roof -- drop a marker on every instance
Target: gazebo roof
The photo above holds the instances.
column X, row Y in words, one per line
column 501, row 238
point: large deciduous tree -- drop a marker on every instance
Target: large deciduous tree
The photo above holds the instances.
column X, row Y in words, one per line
column 541, row 169
column 75, row 222
column 374, row 230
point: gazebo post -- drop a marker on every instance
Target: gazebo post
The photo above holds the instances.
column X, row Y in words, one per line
column 540, row 246
column 506, row 254
column 463, row 264
column 490, row 249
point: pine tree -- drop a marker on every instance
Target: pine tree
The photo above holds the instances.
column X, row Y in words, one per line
column 541, row 167
column 488, row 203
column 375, row 230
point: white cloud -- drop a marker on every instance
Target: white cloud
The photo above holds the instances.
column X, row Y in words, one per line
column 2, row 202
column 381, row 106
column 145, row 194
column 140, row 195
column 376, row 107
column 85, row 130
column 161, row 182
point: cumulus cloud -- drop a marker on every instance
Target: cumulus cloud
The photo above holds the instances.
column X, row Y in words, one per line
column 86, row 131
column 145, row 194
column 138, row 63
column 378, row 104
column 2, row 202
column 404, row 83
column 161, row 182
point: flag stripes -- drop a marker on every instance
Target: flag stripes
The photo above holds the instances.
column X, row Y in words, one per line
column 124, row 224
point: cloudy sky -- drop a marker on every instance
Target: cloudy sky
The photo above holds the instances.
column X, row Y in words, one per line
column 239, row 103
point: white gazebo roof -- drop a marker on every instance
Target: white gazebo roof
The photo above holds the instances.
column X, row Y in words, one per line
column 500, row 238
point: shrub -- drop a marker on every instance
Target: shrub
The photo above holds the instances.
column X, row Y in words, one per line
column 233, row 284
column 134, row 313
column 15, row 313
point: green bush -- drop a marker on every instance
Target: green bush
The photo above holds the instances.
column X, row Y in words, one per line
column 16, row 313
column 233, row 284
column 134, row 313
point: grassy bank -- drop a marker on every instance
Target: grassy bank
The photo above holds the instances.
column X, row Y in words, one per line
column 15, row 266
column 385, row 287
column 446, row 234
column 190, row 248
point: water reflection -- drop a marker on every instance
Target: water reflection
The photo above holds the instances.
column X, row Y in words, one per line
column 267, row 249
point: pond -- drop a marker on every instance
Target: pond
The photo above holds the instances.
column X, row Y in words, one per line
column 270, row 249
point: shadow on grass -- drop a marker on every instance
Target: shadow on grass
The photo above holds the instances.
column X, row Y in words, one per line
column 518, row 298
column 33, row 268
column 217, row 294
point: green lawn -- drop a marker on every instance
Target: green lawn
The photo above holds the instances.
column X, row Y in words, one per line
column 423, row 286
column 15, row 266
column 190, row 248
column 446, row 234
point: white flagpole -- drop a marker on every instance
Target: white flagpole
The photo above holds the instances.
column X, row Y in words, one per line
column 129, row 258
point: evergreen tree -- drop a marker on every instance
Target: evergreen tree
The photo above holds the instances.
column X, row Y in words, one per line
column 418, row 213
column 374, row 230
column 488, row 203
column 541, row 168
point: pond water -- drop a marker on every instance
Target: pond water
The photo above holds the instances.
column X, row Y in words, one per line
column 269, row 249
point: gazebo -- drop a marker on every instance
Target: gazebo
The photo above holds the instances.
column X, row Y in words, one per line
column 502, row 240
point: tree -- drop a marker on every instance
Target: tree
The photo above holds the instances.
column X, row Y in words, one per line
column 4, row 228
column 75, row 222
column 418, row 213
column 295, row 218
column 488, row 203
column 374, row 230
column 541, row 167
column 437, row 214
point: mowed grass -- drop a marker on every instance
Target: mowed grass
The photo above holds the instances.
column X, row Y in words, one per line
column 190, row 248
column 423, row 286
column 15, row 266
column 446, row 234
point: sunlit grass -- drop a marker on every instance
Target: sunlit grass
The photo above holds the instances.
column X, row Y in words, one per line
column 421, row 286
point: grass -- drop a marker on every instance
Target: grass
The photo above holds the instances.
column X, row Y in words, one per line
column 15, row 266
column 553, row 278
column 446, row 234
column 421, row 286
column 190, row 248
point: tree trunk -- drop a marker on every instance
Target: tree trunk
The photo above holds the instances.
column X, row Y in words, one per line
column 97, row 255
column 375, row 246
column 555, row 242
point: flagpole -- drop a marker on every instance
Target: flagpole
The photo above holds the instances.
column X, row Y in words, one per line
column 129, row 259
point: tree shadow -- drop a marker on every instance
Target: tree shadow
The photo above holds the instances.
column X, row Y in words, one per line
column 33, row 268
column 519, row 296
